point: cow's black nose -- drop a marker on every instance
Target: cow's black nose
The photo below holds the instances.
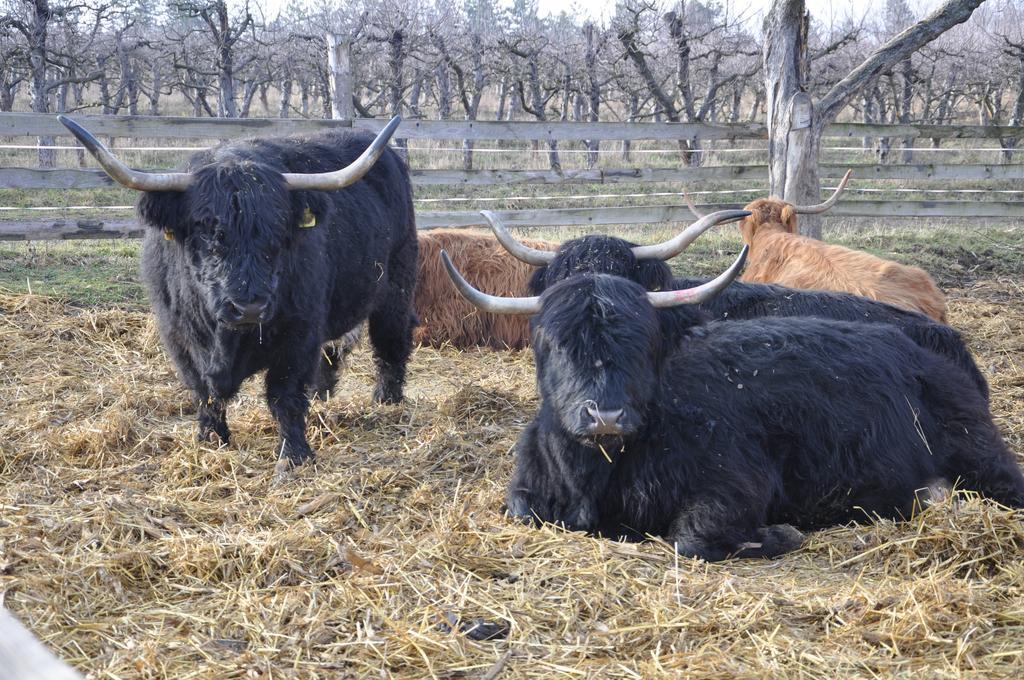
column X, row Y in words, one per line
column 248, row 312
column 604, row 422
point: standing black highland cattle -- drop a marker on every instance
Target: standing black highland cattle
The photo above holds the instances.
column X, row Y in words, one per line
column 266, row 249
column 599, row 254
column 745, row 429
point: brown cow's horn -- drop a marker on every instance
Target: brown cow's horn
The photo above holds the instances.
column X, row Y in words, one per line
column 822, row 207
column 669, row 249
column 121, row 173
column 691, row 206
column 489, row 303
column 351, row 173
column 520, row 251
column 701, row 293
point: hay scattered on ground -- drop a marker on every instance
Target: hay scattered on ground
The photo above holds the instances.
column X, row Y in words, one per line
column 134, row 552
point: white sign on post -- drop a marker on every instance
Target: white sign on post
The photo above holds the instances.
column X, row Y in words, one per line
column 800, row 111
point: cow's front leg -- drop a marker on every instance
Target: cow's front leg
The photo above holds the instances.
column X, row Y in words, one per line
column 286, row 382
column 713, row 529
column 213, row 422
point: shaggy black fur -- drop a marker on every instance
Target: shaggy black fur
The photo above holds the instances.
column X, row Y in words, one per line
column 242, row 286
column 610, row 255
column 721, row 446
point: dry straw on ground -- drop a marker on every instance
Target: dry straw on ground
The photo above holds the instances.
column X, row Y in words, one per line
column 134, row 552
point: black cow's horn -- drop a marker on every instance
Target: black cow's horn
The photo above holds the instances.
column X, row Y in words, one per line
column 351, row 173
column 521, row 251
column 703, row 292
column 179, row 181
column 822, row 207
column 121, row 173
column 489, row 303
column 665, row 250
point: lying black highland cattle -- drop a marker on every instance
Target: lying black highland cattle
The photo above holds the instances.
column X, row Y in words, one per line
column 615, row 256
column 266, row 249
column 745, row 429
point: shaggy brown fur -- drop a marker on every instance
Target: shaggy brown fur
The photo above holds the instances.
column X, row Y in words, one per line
column 779, row 255
column 445, row 316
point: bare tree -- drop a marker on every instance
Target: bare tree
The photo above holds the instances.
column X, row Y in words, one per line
column 795, row 123
column 48, row 71
column 225, row 32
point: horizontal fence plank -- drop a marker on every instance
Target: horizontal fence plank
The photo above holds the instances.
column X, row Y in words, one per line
column 34, row 125
column 93, row 228
column 170, row 127
column 837, row 130
column 70, row 178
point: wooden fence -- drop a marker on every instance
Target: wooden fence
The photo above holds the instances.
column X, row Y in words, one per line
column 211, row 129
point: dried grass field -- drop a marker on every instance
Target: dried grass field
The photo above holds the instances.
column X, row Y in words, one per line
column 133, row 552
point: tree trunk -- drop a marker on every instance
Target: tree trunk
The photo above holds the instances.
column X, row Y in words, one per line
column 396, row 59
column 286, row 98
column 906, row 101
column 793, row 134
column 634, row 114
column 444, row 92
column 154, row 92
column 867, row 106
column 795, row 124
column 37, row 36
column 502, row 98
column 593, row 92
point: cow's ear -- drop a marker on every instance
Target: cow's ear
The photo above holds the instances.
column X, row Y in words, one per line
column 535, row 286
column 311, row 209
column 789, row 218
column 167, row 211
column 653, row 275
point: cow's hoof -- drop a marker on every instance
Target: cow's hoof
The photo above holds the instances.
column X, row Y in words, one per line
column 779, row 539
column 517, row 508
column 213, row 435
column 284, row 471
column 582, row 517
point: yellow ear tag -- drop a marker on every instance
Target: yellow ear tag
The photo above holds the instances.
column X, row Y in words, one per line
column 308, row 219
column 168, row 235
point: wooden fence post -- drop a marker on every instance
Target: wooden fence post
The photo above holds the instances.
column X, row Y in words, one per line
column 339, row 60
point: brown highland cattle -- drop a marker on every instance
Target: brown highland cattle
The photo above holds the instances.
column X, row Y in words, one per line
column 445, row 317
column 779, row 255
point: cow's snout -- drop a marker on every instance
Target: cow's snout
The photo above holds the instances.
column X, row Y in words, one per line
column 604, row 422
column 243, row 313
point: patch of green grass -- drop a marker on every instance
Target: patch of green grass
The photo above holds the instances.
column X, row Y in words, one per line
column 87, row 273
column 105, row 273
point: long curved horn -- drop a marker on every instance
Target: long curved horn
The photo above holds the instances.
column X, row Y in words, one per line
column 703, row 292
column 822, row 207
column 489, row 303
column 689, row 204
column 666, row 250
column 659, row 251
column 351, row 173
column 520, row 251
column 121, row 173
